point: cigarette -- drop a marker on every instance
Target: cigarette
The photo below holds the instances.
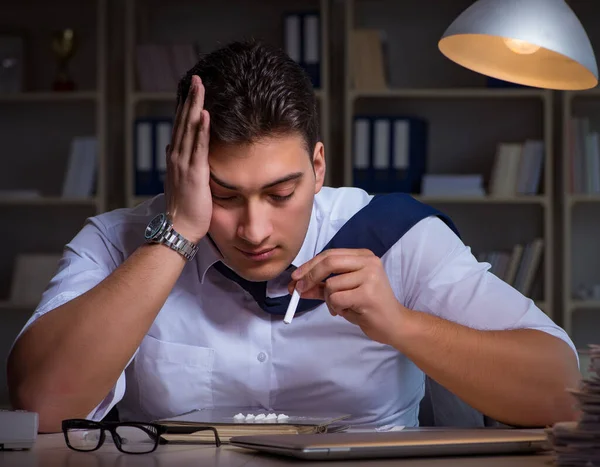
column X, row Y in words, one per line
column 291, row 309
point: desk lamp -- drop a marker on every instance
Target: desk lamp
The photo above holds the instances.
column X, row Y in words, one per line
column 539, row 43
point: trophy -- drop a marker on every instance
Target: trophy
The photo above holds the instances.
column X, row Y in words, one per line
column 63, row 46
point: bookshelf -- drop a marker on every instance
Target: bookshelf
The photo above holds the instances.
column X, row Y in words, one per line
column 181, row 21
column 466, row 120
column 580, row 203
column 37, row 125
column 580, row 225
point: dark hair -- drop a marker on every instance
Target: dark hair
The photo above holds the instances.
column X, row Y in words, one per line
column 253, row 91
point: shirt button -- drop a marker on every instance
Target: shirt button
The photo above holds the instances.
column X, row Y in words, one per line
column 261, row 357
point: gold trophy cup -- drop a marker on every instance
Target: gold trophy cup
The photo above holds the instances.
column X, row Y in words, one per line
column 63, row 46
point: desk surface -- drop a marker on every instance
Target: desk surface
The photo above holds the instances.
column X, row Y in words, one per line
column 51, row 450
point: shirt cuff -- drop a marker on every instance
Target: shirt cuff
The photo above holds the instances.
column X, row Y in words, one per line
column 113, row 397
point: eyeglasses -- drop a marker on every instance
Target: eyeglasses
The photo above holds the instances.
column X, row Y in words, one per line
column 129, row 437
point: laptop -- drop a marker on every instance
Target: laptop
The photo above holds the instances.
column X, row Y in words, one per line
column 405, row 443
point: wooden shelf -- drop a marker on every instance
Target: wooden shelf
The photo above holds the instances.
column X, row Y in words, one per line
column 583, row 198
column 8, row 306
column 153, row 97
column 47, row 201
column 450, row 93
column 584, row 304
column 538, row 199
column 137, row 97
column 595, row 92
column 50, row 96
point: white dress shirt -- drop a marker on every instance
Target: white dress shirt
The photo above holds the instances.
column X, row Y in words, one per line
column 212, row 345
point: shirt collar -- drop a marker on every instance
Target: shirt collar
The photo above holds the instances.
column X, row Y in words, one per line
column 208, row 254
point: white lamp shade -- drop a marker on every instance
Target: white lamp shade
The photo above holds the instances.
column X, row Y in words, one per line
column 556, row 52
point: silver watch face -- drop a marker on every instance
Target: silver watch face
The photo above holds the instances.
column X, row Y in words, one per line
column 155, row 226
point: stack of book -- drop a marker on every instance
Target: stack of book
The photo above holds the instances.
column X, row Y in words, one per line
column 583, row 139
column 517, row 169
column 578, row 443
column 518, row 267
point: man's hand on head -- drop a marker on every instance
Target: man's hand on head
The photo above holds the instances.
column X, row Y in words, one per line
column 187, row 189
column 355, row 286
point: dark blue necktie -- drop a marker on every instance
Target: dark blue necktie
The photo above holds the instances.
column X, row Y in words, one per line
column 377, row 226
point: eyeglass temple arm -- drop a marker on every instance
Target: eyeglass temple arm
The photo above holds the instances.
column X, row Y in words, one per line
column 184, row 430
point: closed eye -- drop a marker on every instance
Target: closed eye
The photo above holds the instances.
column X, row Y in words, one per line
column 280, row 198
column 224, row 198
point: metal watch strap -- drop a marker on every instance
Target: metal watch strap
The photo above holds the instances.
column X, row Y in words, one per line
column 176, row 242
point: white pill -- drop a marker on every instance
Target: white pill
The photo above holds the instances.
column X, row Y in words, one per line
column 271, row 416
column 282, row 416
column 239, row 416
column 260, row 416
column 249, row 417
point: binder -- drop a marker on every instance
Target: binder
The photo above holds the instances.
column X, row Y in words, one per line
column 151, row 138
column 312, row 48
column 381, row 153
column 302, row 42
column 292, row 37
column 362, row 153
column 389, row 153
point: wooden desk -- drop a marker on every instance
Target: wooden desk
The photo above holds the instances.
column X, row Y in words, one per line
column 51, row 450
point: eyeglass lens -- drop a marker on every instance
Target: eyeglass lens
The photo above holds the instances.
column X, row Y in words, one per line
column 133, row 439
column 136, row 439
column 84, row 439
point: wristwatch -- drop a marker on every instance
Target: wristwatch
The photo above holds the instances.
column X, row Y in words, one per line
column 160, row 230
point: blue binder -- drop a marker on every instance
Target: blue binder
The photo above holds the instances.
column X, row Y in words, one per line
column 305, row 46
column 388, row 177
column 149, row 177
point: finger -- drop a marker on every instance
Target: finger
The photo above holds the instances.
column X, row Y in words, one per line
column 176, row 124
column 341, row 282
column 181, row 124
column 201, row 91
column 191, row 126
column 200, row 152
column 342, row 301
column 315, row 293
column 301, row 271
column 333, row 264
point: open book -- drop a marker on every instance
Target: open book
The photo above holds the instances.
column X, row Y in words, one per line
column 240, row 421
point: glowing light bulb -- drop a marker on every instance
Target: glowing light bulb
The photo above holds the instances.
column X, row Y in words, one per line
column 521, row 47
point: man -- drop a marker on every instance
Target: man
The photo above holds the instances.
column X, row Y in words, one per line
column 140, row 324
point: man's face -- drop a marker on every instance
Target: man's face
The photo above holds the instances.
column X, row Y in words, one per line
column 262, row 201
